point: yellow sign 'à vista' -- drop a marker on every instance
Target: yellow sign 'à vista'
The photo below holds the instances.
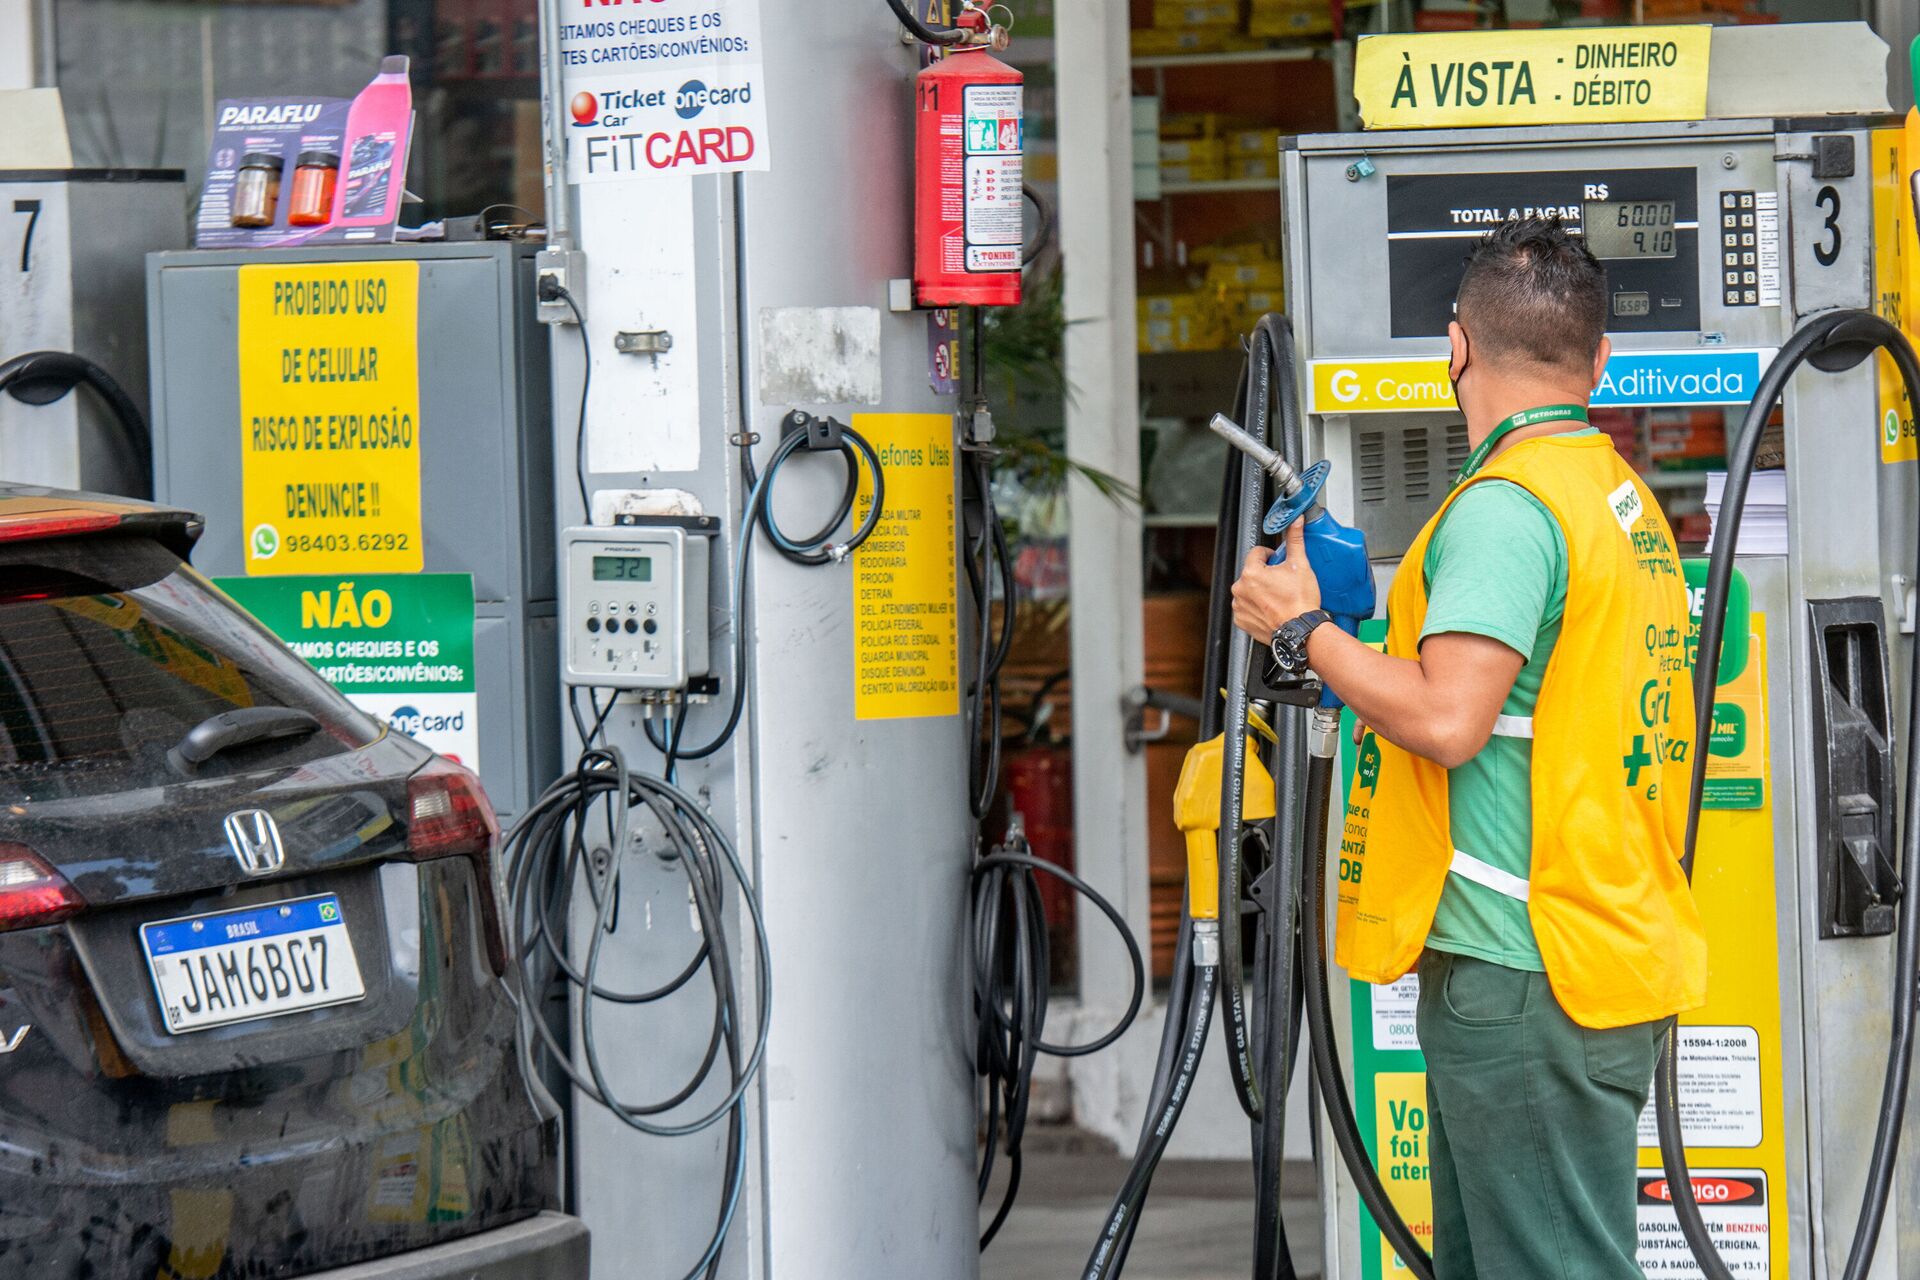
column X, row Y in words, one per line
column 330, row 417
column 1584, row 75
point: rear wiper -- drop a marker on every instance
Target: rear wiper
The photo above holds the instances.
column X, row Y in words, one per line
column 238, row 728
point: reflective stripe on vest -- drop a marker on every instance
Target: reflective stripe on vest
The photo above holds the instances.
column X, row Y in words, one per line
column 1468, row 867
column 1513, row 726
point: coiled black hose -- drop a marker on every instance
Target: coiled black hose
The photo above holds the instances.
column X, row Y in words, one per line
column 1834, row 341
column 42, row 377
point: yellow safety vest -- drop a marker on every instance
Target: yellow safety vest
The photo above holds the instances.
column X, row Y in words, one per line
column 1612, row 754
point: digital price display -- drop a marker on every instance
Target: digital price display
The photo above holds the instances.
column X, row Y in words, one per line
column 1617, row 229
column 623, row 569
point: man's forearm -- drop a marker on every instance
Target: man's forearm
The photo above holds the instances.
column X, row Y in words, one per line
column 1398, row 698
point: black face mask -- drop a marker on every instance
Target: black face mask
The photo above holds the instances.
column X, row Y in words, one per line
column 1454, row 378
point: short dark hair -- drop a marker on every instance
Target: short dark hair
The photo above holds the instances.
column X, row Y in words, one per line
column 1532, row 293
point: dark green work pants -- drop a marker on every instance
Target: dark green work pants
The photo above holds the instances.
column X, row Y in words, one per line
column 1532, row 1121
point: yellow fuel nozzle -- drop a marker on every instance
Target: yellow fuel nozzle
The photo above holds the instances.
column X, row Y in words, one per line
column 1196, row 811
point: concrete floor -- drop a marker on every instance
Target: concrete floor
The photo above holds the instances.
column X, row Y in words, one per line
column 1198, row 1223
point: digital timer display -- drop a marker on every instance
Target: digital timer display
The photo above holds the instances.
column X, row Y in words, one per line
column 1617, row 229
column 623, row 569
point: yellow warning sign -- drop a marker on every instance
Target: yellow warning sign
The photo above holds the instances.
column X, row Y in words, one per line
column 1896, row 286
column 1562, row 76
column 1400, row 1126
column 330, row 417
column 906, row 652
column 1380, row 386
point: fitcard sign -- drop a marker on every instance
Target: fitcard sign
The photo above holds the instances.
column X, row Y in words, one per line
column 662, row 87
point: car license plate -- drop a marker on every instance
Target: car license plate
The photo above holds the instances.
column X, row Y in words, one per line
column 260, row 962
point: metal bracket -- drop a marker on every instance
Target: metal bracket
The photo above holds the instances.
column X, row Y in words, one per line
column 1903, row 587
column 643, row 342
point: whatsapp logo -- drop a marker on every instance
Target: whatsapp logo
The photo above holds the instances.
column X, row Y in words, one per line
column 266, row 541
column 1890, row 426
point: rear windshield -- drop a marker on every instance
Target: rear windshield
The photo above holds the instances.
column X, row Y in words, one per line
column 111, row 649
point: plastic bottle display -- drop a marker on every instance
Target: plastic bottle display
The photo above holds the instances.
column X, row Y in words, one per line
column 368, row 192
column 316, row 174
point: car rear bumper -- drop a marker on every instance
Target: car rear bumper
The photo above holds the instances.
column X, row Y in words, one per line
column 547, row 1246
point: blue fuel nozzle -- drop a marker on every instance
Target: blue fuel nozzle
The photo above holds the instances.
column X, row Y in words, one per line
column 1337, row 553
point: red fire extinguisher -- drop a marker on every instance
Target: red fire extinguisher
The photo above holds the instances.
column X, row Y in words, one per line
column 967, row 215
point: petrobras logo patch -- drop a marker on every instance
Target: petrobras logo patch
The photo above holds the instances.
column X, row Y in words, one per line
column 1626, row 506
column 695, row 96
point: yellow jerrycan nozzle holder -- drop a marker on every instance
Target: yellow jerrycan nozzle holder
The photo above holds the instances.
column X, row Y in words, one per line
column 1196, row 811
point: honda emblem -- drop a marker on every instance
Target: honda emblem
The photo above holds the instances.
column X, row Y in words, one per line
column 255, row 841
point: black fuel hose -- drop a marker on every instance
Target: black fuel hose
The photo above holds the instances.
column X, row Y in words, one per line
column 1189, row 1001
column 42, row 377
column 1277, row 952
column 1233, row 771
column 1833, row 342
column 1328, row 1072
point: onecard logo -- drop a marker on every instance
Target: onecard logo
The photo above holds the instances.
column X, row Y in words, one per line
column 1626, row 506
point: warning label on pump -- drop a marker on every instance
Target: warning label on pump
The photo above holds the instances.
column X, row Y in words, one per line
column 1733, row 1203
column 906, row 630
column 330, row 417
column 1564, row 76
column 1395, row 1007
column 1719, row 1089
column 993, row 172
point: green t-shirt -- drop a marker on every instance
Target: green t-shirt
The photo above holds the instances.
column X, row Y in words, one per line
column 1496, row 567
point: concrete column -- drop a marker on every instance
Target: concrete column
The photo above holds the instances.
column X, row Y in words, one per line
column 1103, row 424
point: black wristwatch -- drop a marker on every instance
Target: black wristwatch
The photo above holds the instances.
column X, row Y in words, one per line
column 1289, row 642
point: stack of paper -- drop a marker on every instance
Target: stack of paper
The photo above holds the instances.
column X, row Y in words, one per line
column 1763, row 521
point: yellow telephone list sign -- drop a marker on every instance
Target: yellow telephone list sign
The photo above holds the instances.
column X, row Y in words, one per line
column 906, row 651
column 1563, row 76
column 1896, row 284
column 330, row 417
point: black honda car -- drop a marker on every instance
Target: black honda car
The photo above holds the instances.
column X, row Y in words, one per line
column 255, row 1012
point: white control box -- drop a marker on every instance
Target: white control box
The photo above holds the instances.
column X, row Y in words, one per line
column 633, row 606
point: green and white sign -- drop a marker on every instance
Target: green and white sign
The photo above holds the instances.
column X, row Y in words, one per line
column 399, row 645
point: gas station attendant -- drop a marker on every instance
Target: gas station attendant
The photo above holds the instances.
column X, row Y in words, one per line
column 1518, row 814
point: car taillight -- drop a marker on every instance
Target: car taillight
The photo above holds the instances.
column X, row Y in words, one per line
column 449, row 815
column 31, row 892
column 54, row 523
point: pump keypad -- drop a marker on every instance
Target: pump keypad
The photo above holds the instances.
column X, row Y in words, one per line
column 1749, row 249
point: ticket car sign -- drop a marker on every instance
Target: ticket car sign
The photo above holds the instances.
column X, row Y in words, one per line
column 668, row 87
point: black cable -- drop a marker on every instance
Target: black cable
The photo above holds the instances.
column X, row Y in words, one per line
column 817, row 550
column 1010, row 988
column 42, row 377
column 1834, row 341
column 560, row 293
column 547, row 854
column 940, row 36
